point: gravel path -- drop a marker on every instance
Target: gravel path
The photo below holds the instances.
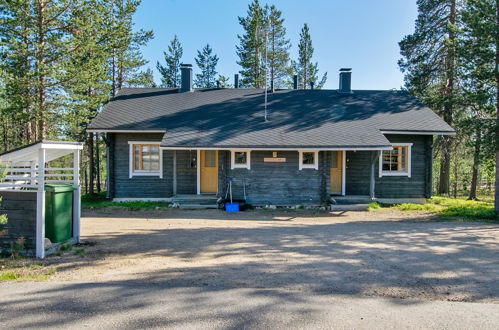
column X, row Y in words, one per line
column 132, row 305
column 382, row 254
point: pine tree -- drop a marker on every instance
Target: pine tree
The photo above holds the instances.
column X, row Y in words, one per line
column 277, row 48
column 223, row 81
column 306, row 70
column 126, row 59
column 429, row 65
column 207, row 63
column 251, row 47
column 170, row 73
column 480, row 56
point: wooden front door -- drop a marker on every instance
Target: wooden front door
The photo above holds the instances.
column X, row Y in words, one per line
column 209, row 171
column 336, row 172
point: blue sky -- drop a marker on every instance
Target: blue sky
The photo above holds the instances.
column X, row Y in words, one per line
column 362, row 34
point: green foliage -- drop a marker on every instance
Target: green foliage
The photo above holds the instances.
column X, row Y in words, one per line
column 224, row 81
column 416, row 207
column 26, row 272
column 66, row 247
column 207, row 64
column 100, row 201
column 251, row 48
column 80, row 252
column 170, row 72
column 18, row 247
column 453, row 209
column 278, row 46
column 373, row 206
column 465, row 209
column 304, row 67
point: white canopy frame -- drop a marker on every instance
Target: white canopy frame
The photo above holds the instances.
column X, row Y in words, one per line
column 27, row 172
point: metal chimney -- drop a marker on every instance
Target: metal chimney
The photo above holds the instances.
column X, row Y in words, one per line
column 186, row 78
column 345, row 81
column 236, row 81
column 295, row 81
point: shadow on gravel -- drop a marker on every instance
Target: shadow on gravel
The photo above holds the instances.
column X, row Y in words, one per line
column 425, row 261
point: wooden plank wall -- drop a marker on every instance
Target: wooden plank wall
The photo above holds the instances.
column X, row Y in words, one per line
column 20, row 208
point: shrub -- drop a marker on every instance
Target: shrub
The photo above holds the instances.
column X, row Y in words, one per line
column 373, row 206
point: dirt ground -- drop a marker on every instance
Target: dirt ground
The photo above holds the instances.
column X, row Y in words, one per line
column 384, row 254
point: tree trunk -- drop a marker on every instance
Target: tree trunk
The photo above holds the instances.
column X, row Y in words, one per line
column 443, row 187
column 40, row 65
column 97, row 162
column 91, row 163
column 496, row 199
column 476, row 165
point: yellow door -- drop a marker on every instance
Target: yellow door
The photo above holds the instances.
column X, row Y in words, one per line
column 336, row 171
column 209, row 171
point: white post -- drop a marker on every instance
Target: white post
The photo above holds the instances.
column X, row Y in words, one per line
column 40, row 206
column 198, row 170
column 76, row 196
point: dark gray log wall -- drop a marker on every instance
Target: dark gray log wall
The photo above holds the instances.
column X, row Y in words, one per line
column 139, row 186
column 186, row 174
column 272, row 183
column 20, row 208
column 417, row 186
column 275, row 183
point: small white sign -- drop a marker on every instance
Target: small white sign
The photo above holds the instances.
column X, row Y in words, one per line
column 274, row 160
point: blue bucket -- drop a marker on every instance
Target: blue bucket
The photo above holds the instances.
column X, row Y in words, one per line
column 232, row 207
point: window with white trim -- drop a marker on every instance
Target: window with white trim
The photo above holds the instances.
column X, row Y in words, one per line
column 145, row 159
column 309, row 159
column 396, row 162
column 240, row 159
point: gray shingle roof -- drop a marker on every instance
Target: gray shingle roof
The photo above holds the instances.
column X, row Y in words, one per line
column 297, row 118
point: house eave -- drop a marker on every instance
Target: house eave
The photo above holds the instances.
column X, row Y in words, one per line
column 290, row 148
column 415, row 132
column 107, row 130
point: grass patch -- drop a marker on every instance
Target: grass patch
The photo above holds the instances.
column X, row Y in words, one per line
column 417, row 207
column 80, row 252
column 15, row 270
column 99, row 200
column 450, row 209
column 373, row 206
column 465, row 209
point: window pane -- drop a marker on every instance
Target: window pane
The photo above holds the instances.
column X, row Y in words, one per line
column 386, row 160
column 396, row 159
column 136, row 157
column 241, row 158
column 308, row 158
column 403, row 159
column 210, row 158
column 146, row 157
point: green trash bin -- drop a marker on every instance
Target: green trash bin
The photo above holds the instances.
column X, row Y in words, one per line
column 58, row 212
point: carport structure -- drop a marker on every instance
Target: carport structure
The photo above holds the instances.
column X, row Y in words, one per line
column 27, row 173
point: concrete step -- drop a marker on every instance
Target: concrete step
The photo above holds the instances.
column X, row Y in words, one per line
column 349, row 200
column 190, row 201
column 349, row 207
column 198, row 206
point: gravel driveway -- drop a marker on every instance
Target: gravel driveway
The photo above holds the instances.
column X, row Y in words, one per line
column 383, row 254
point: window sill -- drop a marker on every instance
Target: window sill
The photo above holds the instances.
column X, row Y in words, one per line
column 146, row 174
column 240, row 166
column 395, row 174
column 309, row 167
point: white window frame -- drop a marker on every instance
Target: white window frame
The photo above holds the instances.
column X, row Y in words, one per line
column 233, row 164
column 133, row 172
column 314, row 166
column 397, row 173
